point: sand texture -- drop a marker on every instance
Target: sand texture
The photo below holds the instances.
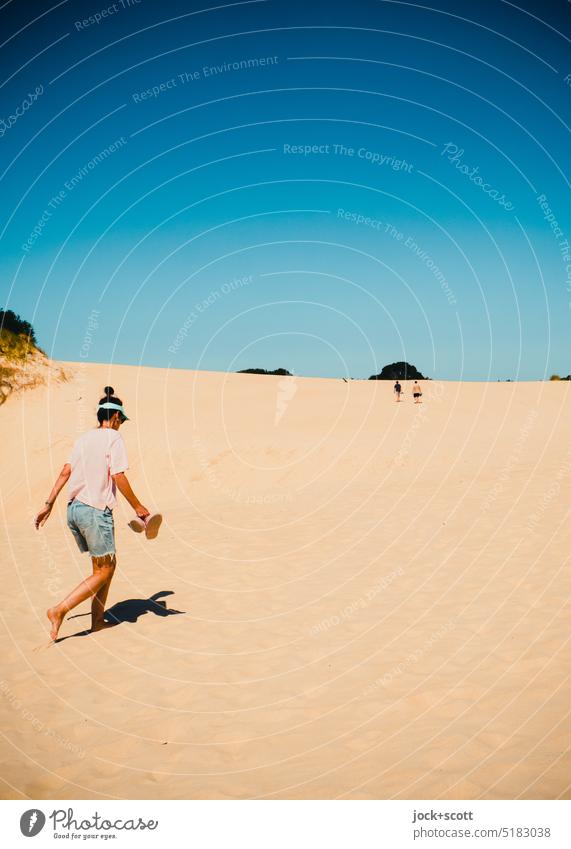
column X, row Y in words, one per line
column 369, row 599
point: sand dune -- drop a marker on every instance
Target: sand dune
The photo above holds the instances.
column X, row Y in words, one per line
column 374, row 598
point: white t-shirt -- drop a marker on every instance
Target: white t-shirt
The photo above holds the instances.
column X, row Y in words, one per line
column 96, row 455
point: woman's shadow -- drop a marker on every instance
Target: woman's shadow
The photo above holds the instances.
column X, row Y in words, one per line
column 129, row 611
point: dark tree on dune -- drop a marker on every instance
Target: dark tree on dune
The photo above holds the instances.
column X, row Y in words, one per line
column 12, row 322
column 399, row 371
column 278, row 371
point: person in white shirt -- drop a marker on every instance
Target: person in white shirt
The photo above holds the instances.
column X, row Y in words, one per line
column 95, row 470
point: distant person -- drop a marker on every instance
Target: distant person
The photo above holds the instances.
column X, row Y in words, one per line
column 96, row 469
column 397, row 390
column 416, row 392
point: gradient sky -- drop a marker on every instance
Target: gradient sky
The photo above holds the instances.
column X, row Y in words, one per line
column 201, row 242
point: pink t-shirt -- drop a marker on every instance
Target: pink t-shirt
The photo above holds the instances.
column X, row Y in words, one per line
column 96, row 455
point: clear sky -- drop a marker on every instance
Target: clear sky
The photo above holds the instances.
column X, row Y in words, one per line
column 325, row 187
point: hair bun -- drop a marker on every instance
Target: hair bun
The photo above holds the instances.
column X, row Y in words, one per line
column 108, row 390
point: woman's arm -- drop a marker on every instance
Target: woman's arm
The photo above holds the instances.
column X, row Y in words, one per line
column 61, row 481
column 124, row 488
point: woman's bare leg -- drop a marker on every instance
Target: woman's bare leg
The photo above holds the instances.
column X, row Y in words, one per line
column 100, row 597
column 83, row 591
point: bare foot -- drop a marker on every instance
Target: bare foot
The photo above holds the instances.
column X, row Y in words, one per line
column 56, row 619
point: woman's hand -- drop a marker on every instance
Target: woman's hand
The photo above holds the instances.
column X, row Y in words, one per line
column 142, row 512
column 43, row 516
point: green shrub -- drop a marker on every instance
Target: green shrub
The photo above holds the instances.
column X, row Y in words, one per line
column 12, row 322
column 15, row 346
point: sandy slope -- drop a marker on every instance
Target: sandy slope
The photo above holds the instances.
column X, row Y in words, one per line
column 375, row 597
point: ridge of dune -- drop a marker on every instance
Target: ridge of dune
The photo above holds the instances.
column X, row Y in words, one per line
column 369, row 599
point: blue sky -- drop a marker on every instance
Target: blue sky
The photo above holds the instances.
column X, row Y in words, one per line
column 322, row 187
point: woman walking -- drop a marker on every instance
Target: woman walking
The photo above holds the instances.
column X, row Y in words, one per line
column 96, row 469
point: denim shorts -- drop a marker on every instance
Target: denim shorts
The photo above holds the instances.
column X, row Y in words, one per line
column 92, row 528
